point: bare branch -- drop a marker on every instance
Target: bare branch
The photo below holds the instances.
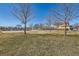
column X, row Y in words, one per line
column 23, row 12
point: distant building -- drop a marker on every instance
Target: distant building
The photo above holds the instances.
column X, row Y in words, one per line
column 62, row 26
column 76, row 27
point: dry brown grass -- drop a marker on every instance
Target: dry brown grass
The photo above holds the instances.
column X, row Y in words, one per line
column 39, row 44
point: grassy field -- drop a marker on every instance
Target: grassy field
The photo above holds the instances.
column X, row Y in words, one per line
column 12, row 44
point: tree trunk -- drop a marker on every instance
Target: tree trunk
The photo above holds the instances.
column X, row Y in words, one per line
column 65, row 33
column 25, row 28
column 65, row 30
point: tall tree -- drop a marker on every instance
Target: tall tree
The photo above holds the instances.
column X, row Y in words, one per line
column 22, row 11
column 66, row 13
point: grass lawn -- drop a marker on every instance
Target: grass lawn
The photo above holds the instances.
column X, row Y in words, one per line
column 12, row 44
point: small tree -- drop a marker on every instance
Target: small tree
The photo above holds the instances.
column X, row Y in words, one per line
column 65, row 13
column 22, row 11
column 36, row 26
column 49, row 19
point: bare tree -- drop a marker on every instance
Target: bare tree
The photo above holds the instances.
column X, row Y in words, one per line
column 65, row 14
column 49, row 20
column 22, row 11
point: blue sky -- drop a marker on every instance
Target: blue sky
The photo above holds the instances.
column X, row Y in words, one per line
column 40, row 10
